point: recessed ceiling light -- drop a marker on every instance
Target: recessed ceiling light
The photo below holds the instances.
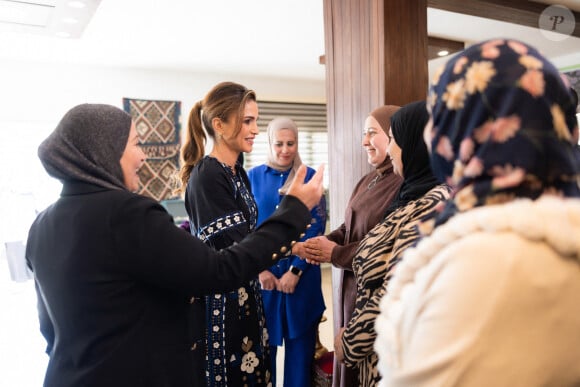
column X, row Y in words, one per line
column 63, row 34
column 69, row 20
column 76, row 4
column 443, row 53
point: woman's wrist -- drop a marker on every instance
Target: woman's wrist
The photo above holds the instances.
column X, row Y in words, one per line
column 296, row 249
column 295, row 270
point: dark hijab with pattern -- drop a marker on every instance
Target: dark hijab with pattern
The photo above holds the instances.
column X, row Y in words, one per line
column 87, row 146
column 504, row 126
column 407, row 125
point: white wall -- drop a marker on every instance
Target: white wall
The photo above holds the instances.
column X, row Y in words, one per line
column 34, row 96
column 40, row 91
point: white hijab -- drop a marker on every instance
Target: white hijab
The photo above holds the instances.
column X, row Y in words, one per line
column 274, row 126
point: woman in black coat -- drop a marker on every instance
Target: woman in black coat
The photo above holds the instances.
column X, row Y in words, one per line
column 115, row 277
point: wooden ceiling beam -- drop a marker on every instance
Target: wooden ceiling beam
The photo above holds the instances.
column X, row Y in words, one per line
column 434, row 45
column 526, row 13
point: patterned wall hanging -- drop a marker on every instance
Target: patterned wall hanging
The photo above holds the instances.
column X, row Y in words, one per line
column 157, row 123
column 574, row 77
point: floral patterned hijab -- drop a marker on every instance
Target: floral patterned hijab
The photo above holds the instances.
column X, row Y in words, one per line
column 504, row 126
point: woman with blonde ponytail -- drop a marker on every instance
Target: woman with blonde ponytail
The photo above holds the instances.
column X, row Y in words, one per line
column 193, row 148
column 222, row 211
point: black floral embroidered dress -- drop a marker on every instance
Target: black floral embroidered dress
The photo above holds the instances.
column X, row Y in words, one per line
column 222, row 212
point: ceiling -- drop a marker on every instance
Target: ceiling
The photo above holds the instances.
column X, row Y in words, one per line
column 274, row 38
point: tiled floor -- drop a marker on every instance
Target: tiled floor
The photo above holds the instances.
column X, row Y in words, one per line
column 325, row 328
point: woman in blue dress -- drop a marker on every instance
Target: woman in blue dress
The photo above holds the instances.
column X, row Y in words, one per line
column 291, row 289
column 222, row 212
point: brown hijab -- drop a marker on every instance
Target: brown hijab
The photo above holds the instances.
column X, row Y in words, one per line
column 383, row 116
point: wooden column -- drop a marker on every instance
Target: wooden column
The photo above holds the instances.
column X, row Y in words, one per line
column 376, row 53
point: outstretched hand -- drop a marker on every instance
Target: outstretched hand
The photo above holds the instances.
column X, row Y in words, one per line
column 316, row 250
column 311, row 192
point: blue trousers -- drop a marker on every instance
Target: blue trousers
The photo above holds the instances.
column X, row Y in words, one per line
column 298, row 359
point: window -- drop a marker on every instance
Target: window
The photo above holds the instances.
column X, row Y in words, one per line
column 25, row 189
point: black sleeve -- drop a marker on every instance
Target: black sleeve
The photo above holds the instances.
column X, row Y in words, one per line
column 156, row 251
column 46, row 327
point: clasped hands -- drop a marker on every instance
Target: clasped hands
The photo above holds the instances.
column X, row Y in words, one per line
column 285, row 284
column 314, row 250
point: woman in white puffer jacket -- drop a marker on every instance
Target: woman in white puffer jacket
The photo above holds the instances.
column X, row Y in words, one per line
column 491, row 296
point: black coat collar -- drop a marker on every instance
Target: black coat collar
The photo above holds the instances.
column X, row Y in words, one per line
column 74, row 187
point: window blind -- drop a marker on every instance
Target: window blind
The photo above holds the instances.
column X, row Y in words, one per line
column 312, row 132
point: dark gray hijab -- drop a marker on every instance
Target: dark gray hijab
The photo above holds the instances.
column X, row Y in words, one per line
column 87, row 146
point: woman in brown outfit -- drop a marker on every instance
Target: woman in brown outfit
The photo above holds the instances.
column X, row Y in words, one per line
column 366, row 207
